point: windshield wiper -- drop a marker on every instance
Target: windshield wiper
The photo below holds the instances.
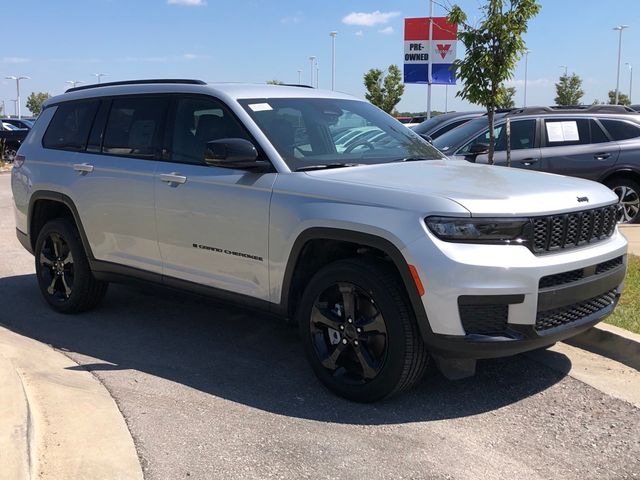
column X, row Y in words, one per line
column 413, row 159
column 325, row 166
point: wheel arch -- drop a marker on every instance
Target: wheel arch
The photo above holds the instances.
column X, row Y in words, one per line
column 622, row 173
column 337, row 244
column 45, row 205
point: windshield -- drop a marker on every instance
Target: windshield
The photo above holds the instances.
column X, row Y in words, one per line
column 309, row 132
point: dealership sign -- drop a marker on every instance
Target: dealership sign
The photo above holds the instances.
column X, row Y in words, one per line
column 418, row 46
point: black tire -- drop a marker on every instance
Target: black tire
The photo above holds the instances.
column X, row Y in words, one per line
column 62, row 269
column 628, row 192
column 395, row 360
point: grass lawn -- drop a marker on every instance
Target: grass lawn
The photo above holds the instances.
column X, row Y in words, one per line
column 627, row 315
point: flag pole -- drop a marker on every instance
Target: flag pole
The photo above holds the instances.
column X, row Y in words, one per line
column 429, row 69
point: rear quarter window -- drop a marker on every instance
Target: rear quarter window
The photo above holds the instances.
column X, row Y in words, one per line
column 621, row 130
column 70, row 126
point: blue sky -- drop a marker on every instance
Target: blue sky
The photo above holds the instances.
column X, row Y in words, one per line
column 251, row 40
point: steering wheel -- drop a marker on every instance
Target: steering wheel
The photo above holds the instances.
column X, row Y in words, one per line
column 355, row 145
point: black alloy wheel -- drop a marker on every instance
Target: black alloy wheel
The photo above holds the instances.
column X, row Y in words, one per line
column 629, row 196
column 57, row 267
column 349, row 334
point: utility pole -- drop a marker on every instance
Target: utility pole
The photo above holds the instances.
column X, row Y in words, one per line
column 429, row 65
column 630, row 79
column 619, row 28
column 17, row 79
column 333, row 59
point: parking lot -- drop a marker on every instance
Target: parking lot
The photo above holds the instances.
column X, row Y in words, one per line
column 210, row 391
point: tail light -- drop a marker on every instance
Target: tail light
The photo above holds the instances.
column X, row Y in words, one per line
column 19, row 160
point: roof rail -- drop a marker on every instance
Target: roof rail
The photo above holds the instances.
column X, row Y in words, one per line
column 138, row 82
column 301, row 85
column 572, row 109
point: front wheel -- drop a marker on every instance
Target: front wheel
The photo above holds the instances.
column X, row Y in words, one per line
column 62, row 269
column 628, row 192
column 359, row 331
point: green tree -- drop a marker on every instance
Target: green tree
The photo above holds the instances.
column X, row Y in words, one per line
column 35, row 101
column 506, row 97
column 622, row 98
column 569, row 90
column 492, row 49
column 274, row 82
column 384, row 91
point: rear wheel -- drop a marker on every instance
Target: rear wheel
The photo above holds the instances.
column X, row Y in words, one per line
column 359, row 331
column 62, row 269
column 628, row 192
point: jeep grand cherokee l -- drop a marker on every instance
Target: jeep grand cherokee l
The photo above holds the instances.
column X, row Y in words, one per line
column 386, row 253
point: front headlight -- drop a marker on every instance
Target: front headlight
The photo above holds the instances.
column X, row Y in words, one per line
column 511, row 231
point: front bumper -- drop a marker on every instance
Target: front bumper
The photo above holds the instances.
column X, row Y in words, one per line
column 503, row 284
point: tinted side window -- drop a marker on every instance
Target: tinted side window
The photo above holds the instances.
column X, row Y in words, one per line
column 620, row 130
column 567, row 131
column 70, row 125
column 198, row 121
column 597, row 134
column 523, row 135
column 446, row 128
column 134, row 127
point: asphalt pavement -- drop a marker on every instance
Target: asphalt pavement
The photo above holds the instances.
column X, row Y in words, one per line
column 211, row 391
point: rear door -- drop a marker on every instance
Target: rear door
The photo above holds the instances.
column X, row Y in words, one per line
column 114, row 180
column 577, row 147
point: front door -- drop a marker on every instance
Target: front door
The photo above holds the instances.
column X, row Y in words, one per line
column 212, row 222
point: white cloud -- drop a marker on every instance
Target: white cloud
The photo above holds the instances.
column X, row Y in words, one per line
column 386, row 31
column 194, row 56
column 14, row 60
column 359, row 33
column 536, row 82
column 292, row 19
column 188, row 3
column 369, row 19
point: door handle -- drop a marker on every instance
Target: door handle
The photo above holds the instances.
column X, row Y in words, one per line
column 173, row 178
column 83, row 167
column 529, row 161
column 601, row 156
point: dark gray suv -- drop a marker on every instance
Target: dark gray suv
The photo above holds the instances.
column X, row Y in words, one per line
column 600, row 142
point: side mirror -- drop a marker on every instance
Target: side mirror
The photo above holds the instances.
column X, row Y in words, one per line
column 479, row 149
column 231, row 153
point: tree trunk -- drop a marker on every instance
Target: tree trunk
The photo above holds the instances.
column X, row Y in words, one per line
column 492, row 138
column 507, row 127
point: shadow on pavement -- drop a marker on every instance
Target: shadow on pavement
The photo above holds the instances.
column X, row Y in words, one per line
column 246, row 357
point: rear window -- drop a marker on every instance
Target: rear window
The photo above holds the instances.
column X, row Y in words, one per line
column 70, row 125
column 621, row 130
column 134, row 127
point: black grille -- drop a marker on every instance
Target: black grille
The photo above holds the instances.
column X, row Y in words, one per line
column 572, row 313
column 561, row 278
column 484, row 319
column 610, row 265
column 575, row 275
column 573, row 229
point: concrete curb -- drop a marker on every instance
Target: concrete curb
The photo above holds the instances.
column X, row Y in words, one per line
column 58, row 420
column 611, row 342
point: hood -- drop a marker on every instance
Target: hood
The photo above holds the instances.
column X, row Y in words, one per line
column 484, row 190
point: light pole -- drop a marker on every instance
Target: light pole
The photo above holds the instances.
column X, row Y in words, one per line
column 619, row 28
column 99, row 75
column 2, row 110
column 15, row 107
column 565, row 69
column 317, row 73
column 630, row 79
column 312, row 59
column 73, row 83
column 526, row 67
column 333, row 59
column 17, row 79
column 299, row 77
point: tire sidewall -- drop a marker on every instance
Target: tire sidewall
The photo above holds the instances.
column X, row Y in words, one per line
column 387, row 379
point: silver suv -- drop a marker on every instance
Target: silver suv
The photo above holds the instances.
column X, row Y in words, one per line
column 385, row 252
